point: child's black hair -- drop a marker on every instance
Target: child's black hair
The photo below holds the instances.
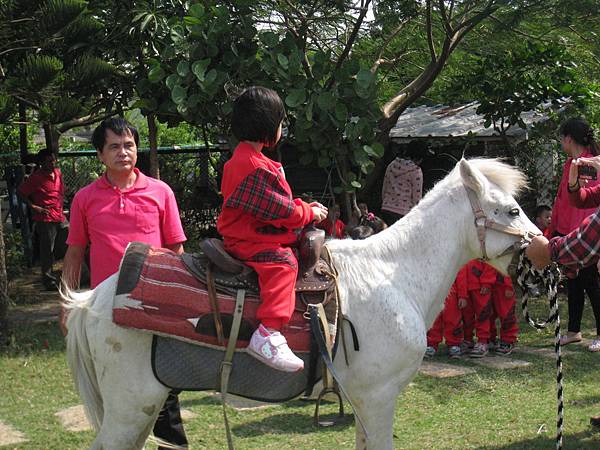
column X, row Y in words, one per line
column 540, row 209
column 257, row 114
column 361, row 232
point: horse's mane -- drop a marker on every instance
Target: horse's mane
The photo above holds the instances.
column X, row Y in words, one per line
column 508, row 178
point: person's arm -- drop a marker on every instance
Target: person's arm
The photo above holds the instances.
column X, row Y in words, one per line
column 73, row 261
column 177, row 248
column 581, row 195
column 263, row 195
column 417, row 186
column 25, row 196
column 580, row 248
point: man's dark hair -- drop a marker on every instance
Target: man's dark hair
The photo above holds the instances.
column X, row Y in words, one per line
column 256, row 116
column 117, row 125
column 540, row 209
column 42, row 155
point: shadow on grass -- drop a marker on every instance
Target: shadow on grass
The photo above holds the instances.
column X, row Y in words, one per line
column 287, row 423
column 33, row 339
column 585, row 440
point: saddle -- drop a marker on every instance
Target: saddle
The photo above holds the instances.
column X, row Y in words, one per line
column 231, row 274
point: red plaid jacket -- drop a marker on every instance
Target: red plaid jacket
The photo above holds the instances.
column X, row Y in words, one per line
column 258, row 208
column 580, row 248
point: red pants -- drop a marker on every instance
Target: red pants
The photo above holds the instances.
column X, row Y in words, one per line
column 468, row 317
column 482, row 304
column 448, row 323
column 504, row 309
column 276, row 280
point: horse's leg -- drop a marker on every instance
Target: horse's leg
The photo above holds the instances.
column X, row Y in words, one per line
column 131, row 395
column 375, row 406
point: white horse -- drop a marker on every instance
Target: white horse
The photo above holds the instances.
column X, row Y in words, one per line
column 392, row 285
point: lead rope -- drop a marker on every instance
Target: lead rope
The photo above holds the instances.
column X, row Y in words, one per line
column 528, row 277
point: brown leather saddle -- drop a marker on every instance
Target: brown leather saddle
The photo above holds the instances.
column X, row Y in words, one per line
column 231, row 274
column 223, row 273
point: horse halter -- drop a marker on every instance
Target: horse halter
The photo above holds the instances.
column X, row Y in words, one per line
column 482, row 222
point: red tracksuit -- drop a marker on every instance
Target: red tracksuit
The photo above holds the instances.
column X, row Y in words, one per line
column 504, row 303
column 259, row 222
column 481, row 277
column 452, row 321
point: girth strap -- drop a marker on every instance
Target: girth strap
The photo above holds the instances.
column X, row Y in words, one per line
column 315, row 325
column 226, row 365
column 214, row 303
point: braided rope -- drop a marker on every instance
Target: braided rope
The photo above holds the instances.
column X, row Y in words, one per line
column 528, row 277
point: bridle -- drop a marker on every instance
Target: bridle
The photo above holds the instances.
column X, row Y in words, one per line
column 482, row 223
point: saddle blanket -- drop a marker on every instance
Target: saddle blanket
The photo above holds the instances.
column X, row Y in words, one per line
column 156, row 293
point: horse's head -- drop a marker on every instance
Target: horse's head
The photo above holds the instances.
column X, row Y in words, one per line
column 500, row 224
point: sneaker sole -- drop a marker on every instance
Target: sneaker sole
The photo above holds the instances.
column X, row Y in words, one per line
column 477, row 355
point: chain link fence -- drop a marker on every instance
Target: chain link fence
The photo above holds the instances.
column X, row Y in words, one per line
column 192, row 174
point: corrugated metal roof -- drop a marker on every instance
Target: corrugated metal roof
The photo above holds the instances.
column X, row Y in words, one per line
column 444, row 121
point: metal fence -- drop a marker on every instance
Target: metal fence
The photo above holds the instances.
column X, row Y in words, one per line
column 191, row 172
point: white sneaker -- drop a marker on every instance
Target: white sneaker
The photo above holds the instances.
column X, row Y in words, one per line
column 595, row 345
column 270, row 347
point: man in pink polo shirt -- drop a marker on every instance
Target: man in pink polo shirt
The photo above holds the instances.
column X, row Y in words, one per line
column 43, row 191
column 122, row 206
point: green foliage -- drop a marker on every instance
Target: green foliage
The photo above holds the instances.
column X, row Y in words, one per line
column 38, row 71
column 527, row 75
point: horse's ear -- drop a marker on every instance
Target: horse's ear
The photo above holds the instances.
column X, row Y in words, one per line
column 472, row 177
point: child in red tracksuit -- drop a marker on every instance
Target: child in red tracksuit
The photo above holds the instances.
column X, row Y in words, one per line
column 260, row 220
column 504, row 306
column 456, row 322
column 449, row 325
column 481, row 277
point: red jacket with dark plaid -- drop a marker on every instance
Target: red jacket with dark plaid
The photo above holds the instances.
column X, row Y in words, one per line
column 258, row 208
column 580, row 248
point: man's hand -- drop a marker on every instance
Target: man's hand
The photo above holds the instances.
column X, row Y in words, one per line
column 538, row 252
column 39, row 209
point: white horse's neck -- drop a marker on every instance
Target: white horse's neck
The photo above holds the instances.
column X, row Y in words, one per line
column 419, row 256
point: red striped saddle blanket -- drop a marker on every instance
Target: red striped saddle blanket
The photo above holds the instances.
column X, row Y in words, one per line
column 157, row 293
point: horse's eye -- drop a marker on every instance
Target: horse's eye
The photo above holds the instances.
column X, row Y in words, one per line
column 514, row 212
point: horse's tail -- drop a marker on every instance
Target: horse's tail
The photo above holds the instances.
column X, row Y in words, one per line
column 79, row 356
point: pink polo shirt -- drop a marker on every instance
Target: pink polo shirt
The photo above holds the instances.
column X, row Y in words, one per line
column 108, row 219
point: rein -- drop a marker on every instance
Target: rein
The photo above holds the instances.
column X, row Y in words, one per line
column 527, row 277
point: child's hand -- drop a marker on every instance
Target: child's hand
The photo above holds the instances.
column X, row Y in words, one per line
column 509, row 293
column 462, row 303
column 319, row 211
column 484, row 290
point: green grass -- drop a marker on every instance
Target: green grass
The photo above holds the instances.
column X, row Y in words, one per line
column 490, row 409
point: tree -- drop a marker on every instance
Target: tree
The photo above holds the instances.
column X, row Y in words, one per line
column 50, row 63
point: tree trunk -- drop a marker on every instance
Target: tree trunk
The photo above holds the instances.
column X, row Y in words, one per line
column 23, row 132
column 152, row 138
column 52, row 136
column 4, row 300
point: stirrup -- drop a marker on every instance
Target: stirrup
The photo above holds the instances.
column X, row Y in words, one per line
column 328, row 423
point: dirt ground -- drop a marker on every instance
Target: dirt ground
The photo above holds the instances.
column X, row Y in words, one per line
column 31, row 302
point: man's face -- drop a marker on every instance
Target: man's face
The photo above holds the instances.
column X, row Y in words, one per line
column 49, row 163
column 119, row 153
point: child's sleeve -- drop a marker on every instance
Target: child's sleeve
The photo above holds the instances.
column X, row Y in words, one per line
column 263, row 195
